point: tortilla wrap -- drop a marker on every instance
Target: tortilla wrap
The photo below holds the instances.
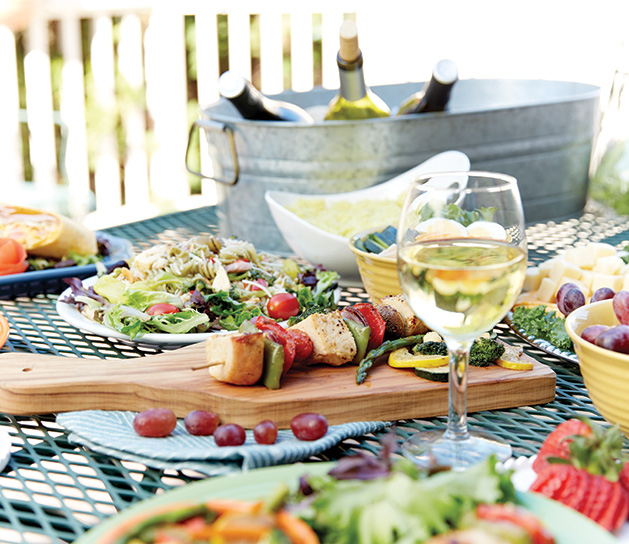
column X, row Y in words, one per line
column 46, row 234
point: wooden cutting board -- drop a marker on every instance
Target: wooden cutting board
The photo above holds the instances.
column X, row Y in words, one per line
column 40, row 384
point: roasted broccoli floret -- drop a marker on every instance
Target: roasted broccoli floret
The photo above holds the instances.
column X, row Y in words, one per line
column 485, row 351
column 431, row 348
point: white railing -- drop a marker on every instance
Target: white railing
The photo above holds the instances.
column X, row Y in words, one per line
column 400, row 40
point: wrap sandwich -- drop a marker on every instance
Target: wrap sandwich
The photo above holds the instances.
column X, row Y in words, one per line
column 46, row 234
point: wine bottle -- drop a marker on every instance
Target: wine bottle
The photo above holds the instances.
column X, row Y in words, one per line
column 355, row 100
column 252, row 104
column 436, row 93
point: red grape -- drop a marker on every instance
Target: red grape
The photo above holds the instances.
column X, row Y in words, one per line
column 201, row 423
column 155, row 422
column 265, row 432
column 615, row 338
column 621, row 306
column 563, row 290
column 602, row 293
column 590, row 334
column 570, row 300
column 309, row 426
column 229, row 434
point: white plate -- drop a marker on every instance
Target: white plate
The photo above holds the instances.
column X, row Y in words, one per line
column 70, row 314
column 5, row 448
column 524, row 476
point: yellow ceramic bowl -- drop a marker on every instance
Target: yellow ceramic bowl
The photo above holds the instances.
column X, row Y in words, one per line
column 378, row 274
column 605, row 372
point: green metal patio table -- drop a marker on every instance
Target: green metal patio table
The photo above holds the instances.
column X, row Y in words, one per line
column 54, row 491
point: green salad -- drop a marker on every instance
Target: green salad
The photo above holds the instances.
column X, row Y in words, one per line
column 203, row 284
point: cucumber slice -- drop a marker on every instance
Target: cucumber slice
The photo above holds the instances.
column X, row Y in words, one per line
column 436, row 374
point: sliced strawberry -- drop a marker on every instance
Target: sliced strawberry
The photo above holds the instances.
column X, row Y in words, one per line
column 615, row 512
column 600, row 494
column 623, row 476
column 576, row 490
column 552, row 480
column 557, row 443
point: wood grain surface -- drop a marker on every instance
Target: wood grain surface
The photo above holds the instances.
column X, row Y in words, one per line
column 40, row 384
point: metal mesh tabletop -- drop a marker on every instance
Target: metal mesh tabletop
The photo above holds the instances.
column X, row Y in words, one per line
column 54, row 491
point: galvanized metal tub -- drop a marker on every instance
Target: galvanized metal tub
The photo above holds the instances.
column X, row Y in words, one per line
column 541, row 132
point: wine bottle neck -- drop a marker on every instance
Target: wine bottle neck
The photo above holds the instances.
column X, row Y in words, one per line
column 352, row 79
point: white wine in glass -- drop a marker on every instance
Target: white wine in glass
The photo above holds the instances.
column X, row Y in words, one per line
column 461, row 261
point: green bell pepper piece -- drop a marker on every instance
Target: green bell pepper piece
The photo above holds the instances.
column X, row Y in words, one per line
column 273, row 364
column 361, row 334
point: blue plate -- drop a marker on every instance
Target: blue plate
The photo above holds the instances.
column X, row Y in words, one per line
column 51, row 280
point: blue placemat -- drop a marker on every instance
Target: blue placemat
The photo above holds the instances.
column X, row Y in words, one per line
column 112, row 433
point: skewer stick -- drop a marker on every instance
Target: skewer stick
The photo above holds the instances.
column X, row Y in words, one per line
column 207, row 365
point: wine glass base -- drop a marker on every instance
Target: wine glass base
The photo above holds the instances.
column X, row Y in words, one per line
column 430, row 449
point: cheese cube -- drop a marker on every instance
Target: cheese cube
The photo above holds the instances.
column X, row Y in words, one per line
column 582, row 256
column 546, row 291
column 602, row 249
column 564, row 269
column 546, row 267
column 607, row 280
column 610, row 264
column 625, row 282
column 532, row 279
column 587, row 278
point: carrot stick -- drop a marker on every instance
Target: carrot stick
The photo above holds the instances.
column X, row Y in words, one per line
column 297, row 530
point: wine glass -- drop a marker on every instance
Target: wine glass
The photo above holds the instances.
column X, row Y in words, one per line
column 461, row 256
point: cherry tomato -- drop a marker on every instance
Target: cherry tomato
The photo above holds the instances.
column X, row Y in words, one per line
column 12, row 257
column 283, row 306
column 162, row 308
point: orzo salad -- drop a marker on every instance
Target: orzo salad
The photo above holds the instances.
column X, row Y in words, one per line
column 203, row 284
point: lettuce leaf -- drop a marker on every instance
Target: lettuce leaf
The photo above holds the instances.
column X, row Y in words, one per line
column 400, row 507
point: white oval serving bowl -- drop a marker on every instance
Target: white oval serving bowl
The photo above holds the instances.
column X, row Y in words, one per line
column 318, row 246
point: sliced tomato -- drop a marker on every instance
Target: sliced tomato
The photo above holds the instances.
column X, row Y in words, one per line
column 162, row 308
column 12, row 257
column 303, row 344
column 518, row 516
column 285, row 338
column 375, row 323
column 283, row 306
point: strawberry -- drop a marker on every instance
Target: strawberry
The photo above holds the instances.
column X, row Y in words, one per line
column 557, row 443
column 580, row 464
column 615, row 512
column 552, row 480
column 623, row 477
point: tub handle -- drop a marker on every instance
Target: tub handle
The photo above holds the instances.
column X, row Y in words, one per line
column 222, row 127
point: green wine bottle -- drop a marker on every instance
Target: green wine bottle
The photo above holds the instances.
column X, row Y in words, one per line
column 436, row 93
column 355, row 100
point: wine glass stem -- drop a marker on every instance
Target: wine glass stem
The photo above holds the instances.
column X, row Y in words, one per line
column 457, row 411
